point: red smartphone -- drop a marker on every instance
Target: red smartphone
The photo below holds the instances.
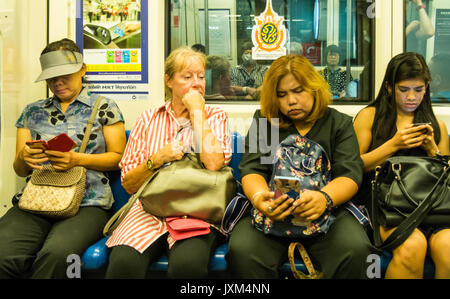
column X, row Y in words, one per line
column 61, row 143
column 37, row 144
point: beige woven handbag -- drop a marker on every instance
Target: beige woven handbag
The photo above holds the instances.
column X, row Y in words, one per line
column 54, row 193
column 58, row 194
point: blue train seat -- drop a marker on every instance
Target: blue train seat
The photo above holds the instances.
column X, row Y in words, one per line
column 97, row 255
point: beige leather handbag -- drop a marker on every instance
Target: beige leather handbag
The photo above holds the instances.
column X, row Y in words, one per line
column 58, row 194
column 184, row 188
column 187, row 188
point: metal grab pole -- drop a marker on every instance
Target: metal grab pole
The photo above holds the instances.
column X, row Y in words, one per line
column 206, row 26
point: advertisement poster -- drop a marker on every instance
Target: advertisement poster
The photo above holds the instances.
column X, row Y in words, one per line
column 442, row 35
column 113, row 37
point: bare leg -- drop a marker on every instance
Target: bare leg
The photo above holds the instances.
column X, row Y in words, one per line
column 408, row 258
column 440, row 253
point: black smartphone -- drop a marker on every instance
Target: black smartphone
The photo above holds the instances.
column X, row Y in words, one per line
column 420, row 124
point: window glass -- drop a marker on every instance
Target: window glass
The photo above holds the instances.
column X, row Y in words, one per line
column 427, row 31
column 336, row 36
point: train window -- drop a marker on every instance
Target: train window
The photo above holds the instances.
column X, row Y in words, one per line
column 336, row 36
column 427, row 32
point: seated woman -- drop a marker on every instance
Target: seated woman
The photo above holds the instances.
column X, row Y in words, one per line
column 333, row 74
column 36, row 245
column 158, row 137
column 297, row 97
column 385, row 129
column 247, row 78
column 219, row 85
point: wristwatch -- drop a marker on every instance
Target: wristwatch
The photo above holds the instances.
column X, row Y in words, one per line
column 329, row 200
column 421, row 6
column 150, row 164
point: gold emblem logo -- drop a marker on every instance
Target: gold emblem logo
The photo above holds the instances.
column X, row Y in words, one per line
column 269, row 34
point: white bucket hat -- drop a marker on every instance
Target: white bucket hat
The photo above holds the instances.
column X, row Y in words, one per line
column 59, row 63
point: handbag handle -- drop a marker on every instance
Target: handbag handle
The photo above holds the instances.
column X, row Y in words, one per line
column 409, row 198
column 313, row 273
column 192, row 149
column 407, row 226
column 87, row 133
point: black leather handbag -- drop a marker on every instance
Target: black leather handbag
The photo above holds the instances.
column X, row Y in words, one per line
column 409, row 191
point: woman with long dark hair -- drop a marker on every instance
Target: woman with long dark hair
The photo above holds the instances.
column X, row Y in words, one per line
column 389, row 127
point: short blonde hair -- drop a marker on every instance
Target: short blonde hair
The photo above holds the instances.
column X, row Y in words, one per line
column 176, row 61
column 309, row 79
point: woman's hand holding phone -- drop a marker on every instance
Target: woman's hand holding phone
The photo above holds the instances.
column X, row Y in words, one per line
column 428, row 144
column 62, row 160
column 33, row 156
column 310, row 205
column 413, row 135
column 276, row 209
column 57, row 150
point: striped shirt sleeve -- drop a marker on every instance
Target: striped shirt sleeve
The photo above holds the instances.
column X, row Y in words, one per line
column 218, row 122
column 136, row 151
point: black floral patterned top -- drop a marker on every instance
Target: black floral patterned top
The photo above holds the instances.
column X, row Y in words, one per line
column 45, row 120
column 336, row 79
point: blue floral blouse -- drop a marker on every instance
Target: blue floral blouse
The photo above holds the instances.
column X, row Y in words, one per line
column 45, row 120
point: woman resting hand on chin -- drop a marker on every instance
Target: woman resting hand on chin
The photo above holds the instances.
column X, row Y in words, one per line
column 159, row 136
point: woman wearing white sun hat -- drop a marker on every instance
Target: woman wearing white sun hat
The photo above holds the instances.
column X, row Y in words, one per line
column 36, row 246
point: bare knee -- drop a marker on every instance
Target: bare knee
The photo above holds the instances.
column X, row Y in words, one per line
column 411, row 254
column 439, row 249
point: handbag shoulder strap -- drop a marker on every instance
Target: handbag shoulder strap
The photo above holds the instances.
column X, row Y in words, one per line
column 118, row 217
column 91, row 120
column 408, row 225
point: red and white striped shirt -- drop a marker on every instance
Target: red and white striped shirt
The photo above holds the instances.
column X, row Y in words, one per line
column 154, row 129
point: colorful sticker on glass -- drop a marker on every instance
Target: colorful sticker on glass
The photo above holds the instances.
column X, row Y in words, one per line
column 269, row 34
